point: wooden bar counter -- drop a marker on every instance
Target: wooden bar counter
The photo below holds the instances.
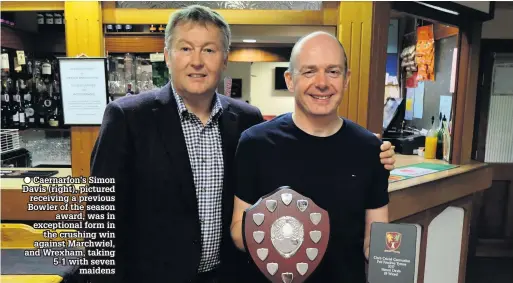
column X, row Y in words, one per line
column 14, row 201
column 408, row 197
column 424, row 200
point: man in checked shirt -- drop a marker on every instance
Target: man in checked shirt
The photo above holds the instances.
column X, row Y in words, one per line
column 171, row 152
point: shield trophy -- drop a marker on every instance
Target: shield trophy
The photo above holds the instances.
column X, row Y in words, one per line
column 286, row 235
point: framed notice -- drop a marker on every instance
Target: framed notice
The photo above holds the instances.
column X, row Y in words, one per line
column 84, row 90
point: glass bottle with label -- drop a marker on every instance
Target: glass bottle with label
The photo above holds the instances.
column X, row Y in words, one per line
column 44, row 107
column 40, row 19
column 6, row 111
column 46, row 71
column 53, row 120
column 21, row 113
column 49, row 18
column 15, row 112
column 57, row 18
column 4, row 64
column 29, row 110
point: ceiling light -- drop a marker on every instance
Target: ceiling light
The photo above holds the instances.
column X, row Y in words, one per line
column 249, row 40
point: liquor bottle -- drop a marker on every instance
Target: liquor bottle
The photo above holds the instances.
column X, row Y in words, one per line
column 44, row 107
column 153, row 28
column 128, row 28
column 8, row 89
column 46, row 71
column 119, row 28
column 162, row 29
column 57, row 18
column 21, row 112
column 40, row 19
column 49, row 18
column 29, row 65
column 6, row 111
column 15, row 112
column 29, row 110
column 53, row 120
column 5, row 63
column 110, row 28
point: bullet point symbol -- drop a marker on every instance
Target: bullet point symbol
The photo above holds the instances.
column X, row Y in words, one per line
column 27, row 180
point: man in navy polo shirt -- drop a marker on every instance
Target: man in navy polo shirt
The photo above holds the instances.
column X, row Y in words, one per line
column 329, row 159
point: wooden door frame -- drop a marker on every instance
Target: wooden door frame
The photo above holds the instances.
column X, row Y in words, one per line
column 501, row 171
column 489, row 47
column 463, row 106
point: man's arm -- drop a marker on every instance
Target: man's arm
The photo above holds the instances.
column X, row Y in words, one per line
column 376, row 200
column 373, row 215
column 109, row 159
column 239, row 206
column 246, row 184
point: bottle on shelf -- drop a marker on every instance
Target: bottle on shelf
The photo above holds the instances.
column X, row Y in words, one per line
column 128, row 28
column 49, row 18
column 431, row 141
column 440, row 138
column 57, row 18
column 40, row 19
column 447, row 140
column 21, row 112
column 5, row 65
column 15, row 111
column 29, row 110
column 162, row 28
column 46, row 71
column 119, row 28
column 110, row 28
column 6, row 111
column 153, row 28
column 53, row 119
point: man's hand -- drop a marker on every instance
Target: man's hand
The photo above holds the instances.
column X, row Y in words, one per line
column 239, row 206
column 387, row 154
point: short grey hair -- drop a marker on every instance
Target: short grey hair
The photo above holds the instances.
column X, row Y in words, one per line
column 202, row 15
column 299, row 44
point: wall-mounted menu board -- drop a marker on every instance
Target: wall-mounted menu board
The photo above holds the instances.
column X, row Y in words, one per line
column 84, row 90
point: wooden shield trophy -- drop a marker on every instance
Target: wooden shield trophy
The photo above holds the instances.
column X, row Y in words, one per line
column 286, row 235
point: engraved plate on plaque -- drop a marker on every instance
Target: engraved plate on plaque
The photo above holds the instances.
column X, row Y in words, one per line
column 315, row 218
column 271, row 204
column 258, row 236
column 302, row 204
column 258, row 218
column 315, row 236
column 286, row 198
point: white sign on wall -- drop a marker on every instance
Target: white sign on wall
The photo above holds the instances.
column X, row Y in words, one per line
column 84, row 90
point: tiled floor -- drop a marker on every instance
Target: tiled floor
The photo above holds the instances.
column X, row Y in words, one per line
column 490, row 270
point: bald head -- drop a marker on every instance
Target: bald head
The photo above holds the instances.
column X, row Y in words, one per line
column 314, row 38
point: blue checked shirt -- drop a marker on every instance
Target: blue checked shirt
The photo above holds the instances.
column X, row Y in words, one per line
column 206, row 157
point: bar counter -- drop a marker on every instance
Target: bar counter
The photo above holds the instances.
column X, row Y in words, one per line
column 414, row 195
column 445, row 204
column 14, row 201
